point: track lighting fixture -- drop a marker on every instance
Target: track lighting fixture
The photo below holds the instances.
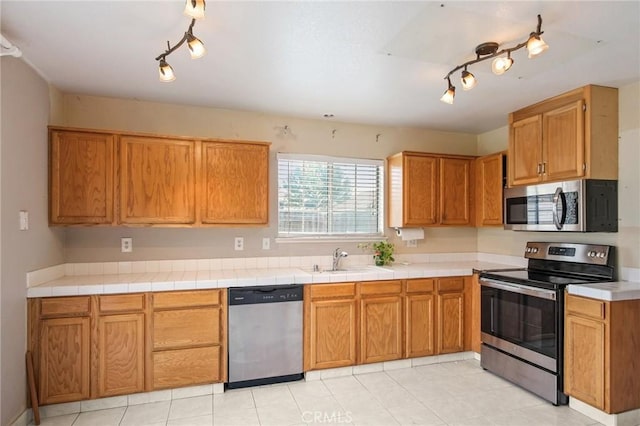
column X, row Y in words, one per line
column 534, row 44
column 195, row 9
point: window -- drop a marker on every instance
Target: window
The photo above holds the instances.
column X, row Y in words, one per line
column 329, row 196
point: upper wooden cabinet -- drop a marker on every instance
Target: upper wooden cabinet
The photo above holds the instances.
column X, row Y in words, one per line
column 429, row 190
column 573, row 135
column 161, row 181
column 489, row 189
column 235, row 183
column 157, row 181
column 81, row 176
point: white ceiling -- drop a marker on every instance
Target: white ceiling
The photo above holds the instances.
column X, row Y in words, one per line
column 380, row 62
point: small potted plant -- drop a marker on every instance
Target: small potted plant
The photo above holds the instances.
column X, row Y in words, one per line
column 382, row 252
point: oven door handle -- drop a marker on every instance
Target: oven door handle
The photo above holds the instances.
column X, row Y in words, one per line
column 520, row 289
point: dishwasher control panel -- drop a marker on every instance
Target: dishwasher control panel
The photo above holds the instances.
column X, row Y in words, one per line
column 265, row 294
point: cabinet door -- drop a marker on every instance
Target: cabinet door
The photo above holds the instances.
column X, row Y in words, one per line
column 380, row 329
column 450, row 322
column 64, row 360
column 420, row 186
column 563, row 142
column 120, row 354
column 525, row 151
column 455, row 191
column 235, row 183
column 585, row 360
column 420, row 325
column 489, row 172
column 187, row 367
column 81, row 181
column 332, row 333
column 157, row 181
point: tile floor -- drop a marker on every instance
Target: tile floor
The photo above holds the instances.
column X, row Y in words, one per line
column 453, row 393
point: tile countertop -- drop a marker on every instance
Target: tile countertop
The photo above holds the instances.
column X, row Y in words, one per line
column 72, row 285
column 612, row 291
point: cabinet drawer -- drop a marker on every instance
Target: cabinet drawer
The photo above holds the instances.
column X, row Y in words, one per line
column 65, row 306
column 587, row 307
column 420, row 286
column 185, row 299
column 380, row 287
column 186, row 327
column 451, row 284
column 333, row 290
column 122, row 303
column 186, row 367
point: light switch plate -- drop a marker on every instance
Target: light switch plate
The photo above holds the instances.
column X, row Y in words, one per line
column 412, row 243
column 24, row 220
column 266, row 243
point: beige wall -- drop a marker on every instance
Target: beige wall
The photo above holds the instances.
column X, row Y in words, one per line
column 303, row 136
column 627, row 239
column 23, row 146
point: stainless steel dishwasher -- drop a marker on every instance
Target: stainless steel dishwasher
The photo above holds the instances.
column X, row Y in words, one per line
column 265, row 335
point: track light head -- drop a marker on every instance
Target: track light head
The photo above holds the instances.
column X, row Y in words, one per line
column 500, row 65
column 449, row 94
column 536, row 45
column 469, row 81
column 195, row 8
column 196, row 47
column 165, row 71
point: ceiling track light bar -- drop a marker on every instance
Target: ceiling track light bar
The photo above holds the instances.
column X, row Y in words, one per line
column 484, row 51
column 195, row 9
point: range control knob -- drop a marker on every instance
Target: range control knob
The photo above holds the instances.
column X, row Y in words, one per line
column 534, row 249
column 591, row 253
column 528, row 249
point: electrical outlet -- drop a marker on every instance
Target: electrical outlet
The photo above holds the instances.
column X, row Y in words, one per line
column 266, row 243
column 238, row 245
column 412, row 243
column 126, row 245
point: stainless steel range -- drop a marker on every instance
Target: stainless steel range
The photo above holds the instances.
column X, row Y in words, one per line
column 522, row 313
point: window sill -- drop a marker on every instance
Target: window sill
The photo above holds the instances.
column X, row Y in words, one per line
column 329, row 239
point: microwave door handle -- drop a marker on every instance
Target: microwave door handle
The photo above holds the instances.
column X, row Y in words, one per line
column 557, row 196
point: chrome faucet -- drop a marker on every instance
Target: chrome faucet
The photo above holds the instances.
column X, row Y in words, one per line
column 337, row 255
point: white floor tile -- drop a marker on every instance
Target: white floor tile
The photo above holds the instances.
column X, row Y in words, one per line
column 110, row 417
column 192, row 421
column 191, row 407
column 321, row 407
column 146, row 414
column 240, row 399
column 279, row 415
column 414, row 413
column 309, row 389
column 344, row 385
column 66, row 420
column 274, row 395
column 235, row 417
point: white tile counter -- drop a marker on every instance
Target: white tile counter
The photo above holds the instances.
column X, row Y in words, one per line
column 613, row 291
column 133, row 282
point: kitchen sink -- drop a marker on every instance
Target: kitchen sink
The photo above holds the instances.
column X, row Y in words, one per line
column 356, row 269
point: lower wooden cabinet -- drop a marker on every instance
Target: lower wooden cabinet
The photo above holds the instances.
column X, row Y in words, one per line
column 420, row 307
column 359, row 323
column 97, row 346
column 601, row 353
column 330, row 326
column 64, row 360
column 188, row 338
column 450, row 315
column 380, row 321
column 120, row 354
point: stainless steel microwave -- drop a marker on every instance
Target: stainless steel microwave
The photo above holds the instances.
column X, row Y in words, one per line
column 584, row 205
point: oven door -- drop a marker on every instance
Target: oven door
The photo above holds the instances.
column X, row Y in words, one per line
column 523, row 321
